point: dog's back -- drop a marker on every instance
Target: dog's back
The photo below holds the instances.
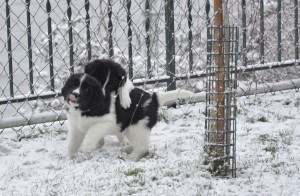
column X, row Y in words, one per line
column 143, row 106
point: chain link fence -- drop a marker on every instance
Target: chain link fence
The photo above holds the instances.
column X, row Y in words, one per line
column 162, row 44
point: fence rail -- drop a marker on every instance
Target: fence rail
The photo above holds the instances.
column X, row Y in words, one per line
column 161, row 44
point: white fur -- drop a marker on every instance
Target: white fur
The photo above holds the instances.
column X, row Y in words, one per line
column 138, row 135
column 76, row 90
column 124, row 91
column 106, row 81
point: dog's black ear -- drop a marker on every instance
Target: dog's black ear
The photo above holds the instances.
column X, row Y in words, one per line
column 121, row 74
column 64, row 88
column 120, row 71
column 91, row 98
column 89, row 68
column 63, row 91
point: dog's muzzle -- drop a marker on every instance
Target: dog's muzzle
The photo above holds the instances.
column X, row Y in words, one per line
column 73, row 97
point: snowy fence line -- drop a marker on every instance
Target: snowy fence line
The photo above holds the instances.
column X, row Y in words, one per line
column 162, row 45
column 33, row 119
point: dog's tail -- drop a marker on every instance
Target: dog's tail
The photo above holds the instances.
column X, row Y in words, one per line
column 169, row 96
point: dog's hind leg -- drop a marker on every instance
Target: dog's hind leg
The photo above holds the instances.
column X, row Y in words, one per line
column 138, row 136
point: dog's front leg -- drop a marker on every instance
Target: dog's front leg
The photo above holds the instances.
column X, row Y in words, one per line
column 75, row 140
column 95, row 134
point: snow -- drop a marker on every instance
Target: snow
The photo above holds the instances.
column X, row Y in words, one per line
column 33, row 160
column 268, row 162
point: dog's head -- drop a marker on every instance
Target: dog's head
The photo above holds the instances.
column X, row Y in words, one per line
column 109, row 73
column 83, row 92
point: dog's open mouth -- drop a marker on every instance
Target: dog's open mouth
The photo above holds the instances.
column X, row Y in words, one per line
column 72, row 98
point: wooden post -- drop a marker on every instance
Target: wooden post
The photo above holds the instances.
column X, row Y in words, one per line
column 217, row 136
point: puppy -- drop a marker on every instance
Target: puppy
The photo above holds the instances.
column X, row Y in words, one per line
column 112, row 77
column 92, row 115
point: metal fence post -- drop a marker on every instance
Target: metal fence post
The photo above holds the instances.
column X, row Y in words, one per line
column 29, row 47
column 147, row 28
column 88, row 34
column 170, row 43
column 296, row 27
column 110, row 28
column 129, row 33
column 190, row 35
column 48, row 8
column 9, row 51
column 279, row 43
column 262, row 32
column 244, row 32
column 208, row 32
column 71, row 50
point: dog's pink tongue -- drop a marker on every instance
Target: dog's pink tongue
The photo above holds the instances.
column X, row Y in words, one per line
column 72, row 97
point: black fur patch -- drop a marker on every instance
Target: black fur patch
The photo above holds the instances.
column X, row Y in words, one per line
column 101, row 68
column 144, row 105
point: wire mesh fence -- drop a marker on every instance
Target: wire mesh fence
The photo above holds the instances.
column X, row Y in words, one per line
column 162, row 44
column 43, row 41
column 220, row 121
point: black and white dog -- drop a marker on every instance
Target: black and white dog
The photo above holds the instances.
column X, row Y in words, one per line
column 93, row 114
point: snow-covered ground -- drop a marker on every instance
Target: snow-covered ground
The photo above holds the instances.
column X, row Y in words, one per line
column 268, row 161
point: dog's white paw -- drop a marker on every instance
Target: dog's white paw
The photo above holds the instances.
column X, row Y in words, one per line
column 127, row 149
column 85, row 148
column 133, row 157
column 136, row 156
column 125, row 102
column 72, row 152
column 71, row 155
